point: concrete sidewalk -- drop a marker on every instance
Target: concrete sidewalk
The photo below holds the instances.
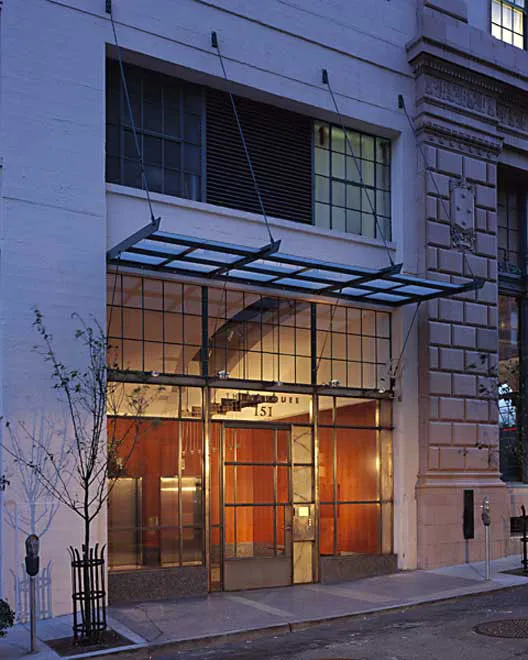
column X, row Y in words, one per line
column 217, row 617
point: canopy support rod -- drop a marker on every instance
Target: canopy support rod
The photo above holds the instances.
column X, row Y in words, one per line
column 134, row 238
column 390, row 270
column 474, row 285
column 271, row 248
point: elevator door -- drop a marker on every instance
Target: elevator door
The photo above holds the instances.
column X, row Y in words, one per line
column 259, row 511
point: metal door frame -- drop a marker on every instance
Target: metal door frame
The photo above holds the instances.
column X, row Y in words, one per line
column 269, row 426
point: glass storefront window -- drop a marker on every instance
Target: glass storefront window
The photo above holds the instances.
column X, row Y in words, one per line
column 156, row 503
column 263, row 445
column 509, row 389
column 354, row 489
column 156, row 327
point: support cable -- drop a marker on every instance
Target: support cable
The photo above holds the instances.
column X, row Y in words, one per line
column 215, row 44
column 153, row 219
column 328, row 331
column 124, row 84
column 401, row 104
column 397, row 370
column 326, row 81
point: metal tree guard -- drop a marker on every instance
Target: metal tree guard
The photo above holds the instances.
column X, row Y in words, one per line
column 88, row 592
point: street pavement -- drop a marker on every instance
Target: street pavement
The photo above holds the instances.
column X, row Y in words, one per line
column 172, row 628
column 432, row 631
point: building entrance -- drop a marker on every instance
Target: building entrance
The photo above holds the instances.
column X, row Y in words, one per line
column 268, row 505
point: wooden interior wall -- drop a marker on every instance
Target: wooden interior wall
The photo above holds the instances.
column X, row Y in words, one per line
column 356, row 479
column 154, row 454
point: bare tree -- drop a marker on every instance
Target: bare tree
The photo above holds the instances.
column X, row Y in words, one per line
column 82, row 472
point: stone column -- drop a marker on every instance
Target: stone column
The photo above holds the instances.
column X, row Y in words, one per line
column 458, row 336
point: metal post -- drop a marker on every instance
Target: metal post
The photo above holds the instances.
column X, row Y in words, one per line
column 524, row 539
column 486, row 519
column 32, row 568
column 32, row 615
column 487, row 542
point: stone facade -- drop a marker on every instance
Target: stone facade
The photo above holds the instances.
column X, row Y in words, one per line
column 461, row 118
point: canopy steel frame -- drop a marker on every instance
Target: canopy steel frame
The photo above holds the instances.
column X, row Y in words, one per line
column 267, row 267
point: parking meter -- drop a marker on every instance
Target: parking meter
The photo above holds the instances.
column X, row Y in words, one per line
column 486, row 518
column 32, row 555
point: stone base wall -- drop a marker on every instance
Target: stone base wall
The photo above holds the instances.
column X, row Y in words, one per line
column 156, row 584
column 341, row 569
column 440, row 525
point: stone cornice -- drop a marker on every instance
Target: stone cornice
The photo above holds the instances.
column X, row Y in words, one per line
column 438, row 133
column 428, row 63
column 441, row 83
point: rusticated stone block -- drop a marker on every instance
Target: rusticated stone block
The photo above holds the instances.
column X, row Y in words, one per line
column 486, row 197
column 438, row 234
column 433, row 357
column 430, row 207
column 451, row 458
column 481, row 219
column 492, row 221
column 465, row 336
column 450, row 261
column 477, row 363
column 487, row 339
column 475, row 266
column 432, row 258
column 452, row 359
column 488, row 434
column 437, row 184
column 464, row 385
column 464, row 434
column 475, row 314
column 477, row 459
column 451, row 408
column 492, row 174
column 439, row 383
column 439, row 333
column 488, row 293
column 477, row 410
column 492, row 316
column 449, row 163
column 475, row 170
column 451, row 310
column 434, row 458
column 487, row 244
column 440, row 433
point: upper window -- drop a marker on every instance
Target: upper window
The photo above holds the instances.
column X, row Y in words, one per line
column 508, row 19
column 191, row 147
column 168, row 117
column 352, row 181
column 509, row 246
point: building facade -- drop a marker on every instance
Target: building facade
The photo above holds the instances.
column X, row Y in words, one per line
column 330, row 408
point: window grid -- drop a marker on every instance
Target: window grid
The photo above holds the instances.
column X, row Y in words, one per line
column 177, row 527
column 335, row 509
column 508, row 19
column 509, row 230
column 156, row 326
column 343, row 199
column 365, row 334
column 168, row 114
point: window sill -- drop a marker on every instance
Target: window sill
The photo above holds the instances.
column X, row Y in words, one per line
column 180, row 202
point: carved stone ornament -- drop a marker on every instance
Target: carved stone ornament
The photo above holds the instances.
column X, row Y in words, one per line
column 462, row 202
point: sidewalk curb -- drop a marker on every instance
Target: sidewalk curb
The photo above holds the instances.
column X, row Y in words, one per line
column 142, row 652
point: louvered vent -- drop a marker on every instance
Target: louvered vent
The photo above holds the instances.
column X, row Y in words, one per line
column 279, row 143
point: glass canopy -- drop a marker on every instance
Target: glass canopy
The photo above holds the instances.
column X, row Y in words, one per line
column 268, row 267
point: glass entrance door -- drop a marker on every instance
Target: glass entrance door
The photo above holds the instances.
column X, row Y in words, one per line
column 257, row 506
column 268, row 507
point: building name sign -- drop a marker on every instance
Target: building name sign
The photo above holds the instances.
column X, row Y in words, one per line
column 263, row 403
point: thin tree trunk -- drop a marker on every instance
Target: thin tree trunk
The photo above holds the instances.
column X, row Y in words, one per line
column 87, row 586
